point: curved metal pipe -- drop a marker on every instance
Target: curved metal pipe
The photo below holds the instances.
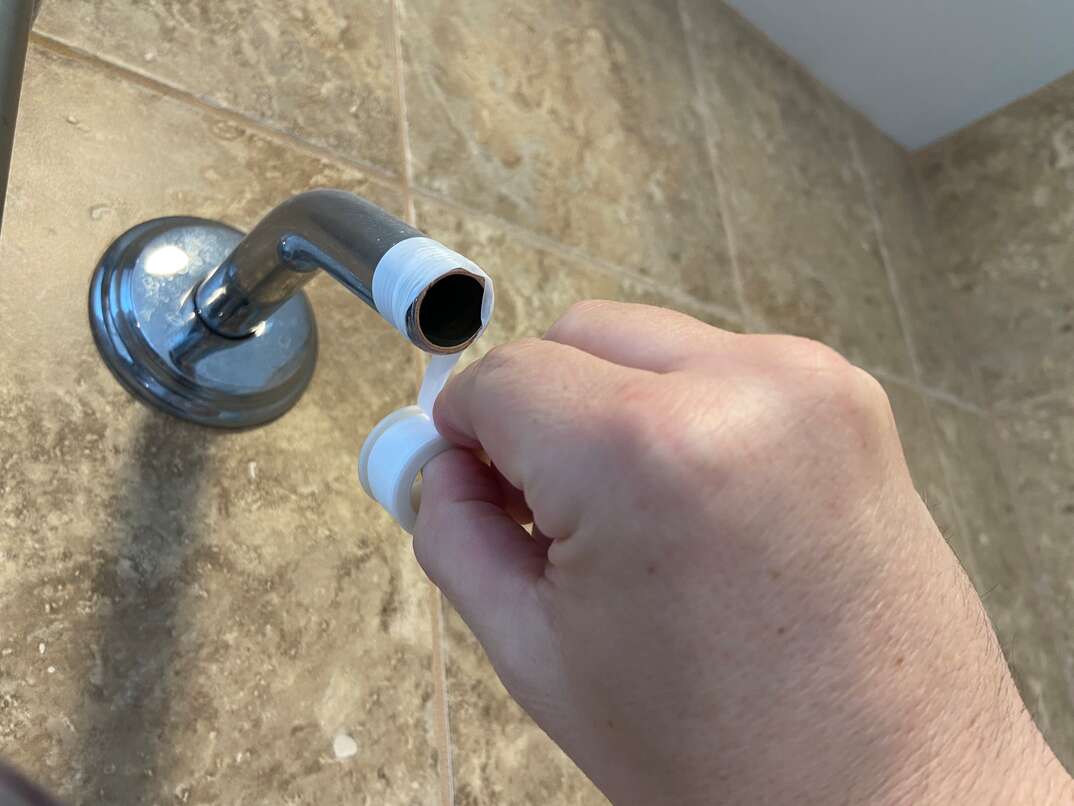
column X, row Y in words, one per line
column 16, row 17
column 346, row 236
column 210, row 325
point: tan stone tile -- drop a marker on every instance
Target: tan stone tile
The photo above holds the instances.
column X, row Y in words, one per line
column 499, row 755
column 921, row 447
column 535, row 286
column 805, row 235
column 322, row 70
column 185, row 614
column 574, row 120
column 1004, row 572
column 1000, row 301
column 1037, row 441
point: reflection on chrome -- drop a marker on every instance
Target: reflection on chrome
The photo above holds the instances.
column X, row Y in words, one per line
column 167, row 261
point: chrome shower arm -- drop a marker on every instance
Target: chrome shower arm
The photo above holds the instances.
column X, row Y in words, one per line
column 338, row 232
column 212, row 326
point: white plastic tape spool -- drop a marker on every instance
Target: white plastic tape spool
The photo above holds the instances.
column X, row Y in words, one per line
column 399, row 447
column 392, row 458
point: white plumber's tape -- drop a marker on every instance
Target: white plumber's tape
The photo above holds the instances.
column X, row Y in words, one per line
column 392, row 458
column 394, row 453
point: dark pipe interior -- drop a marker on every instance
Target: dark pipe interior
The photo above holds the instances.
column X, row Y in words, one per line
column 450, row 312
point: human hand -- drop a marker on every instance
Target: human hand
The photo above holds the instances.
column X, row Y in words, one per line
column 732, row 592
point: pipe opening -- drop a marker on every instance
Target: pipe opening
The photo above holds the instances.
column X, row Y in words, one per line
column 449, row 312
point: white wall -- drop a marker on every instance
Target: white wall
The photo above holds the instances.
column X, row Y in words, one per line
column 920, row 69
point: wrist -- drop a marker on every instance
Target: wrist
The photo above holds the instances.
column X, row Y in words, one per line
column 993, row 754
column 1019, row 768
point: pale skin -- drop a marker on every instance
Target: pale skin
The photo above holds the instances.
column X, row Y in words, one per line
column 732, row 593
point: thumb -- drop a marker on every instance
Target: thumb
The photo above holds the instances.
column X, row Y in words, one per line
column 479, row 556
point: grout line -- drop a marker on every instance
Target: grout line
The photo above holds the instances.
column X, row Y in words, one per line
column 441, row 718
column 893, row 284
column 933, row 236
column 442, row 727
column 537, row 240
column 410, row 213
column 944, row 396
column 946, row 471
column 693, row 60
column 928, row 391
column 930, row 235
column 1042, row 620
column 1016, row 405
column 573, row 254
column 405, row 183
column 404, row 118
column 374, row 172
column 889, row 376
column 885, row 253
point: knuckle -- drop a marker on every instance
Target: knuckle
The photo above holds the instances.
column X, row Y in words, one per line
column 505, row 359
column 834, row 392
column 854, row 395
column 639, row 399
column 576, row 316
column 853, row 406
column 815, row 369
column 872, row 391
column 652, row 421
column 813, row 356
column 629, row 417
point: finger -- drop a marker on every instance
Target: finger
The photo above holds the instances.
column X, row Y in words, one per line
column 514, row 502
column 542, row 539
column 531, row 406
column 639, row 336
column 483, row 561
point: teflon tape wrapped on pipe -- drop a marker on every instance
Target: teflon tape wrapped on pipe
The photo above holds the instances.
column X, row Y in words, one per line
column 400, row 446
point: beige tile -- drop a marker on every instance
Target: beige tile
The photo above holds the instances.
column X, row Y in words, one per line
column 575, row 120
column 1038, row 457
column 805, row 235
column 920, row 445
column 1004, row 572
column 186, row 615
column 534, row 286
column 500, row 756
column 322, row 70
column 1000, row 301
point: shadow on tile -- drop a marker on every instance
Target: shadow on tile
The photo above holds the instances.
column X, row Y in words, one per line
column 135, row 683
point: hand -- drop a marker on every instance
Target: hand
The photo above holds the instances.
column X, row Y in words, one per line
column 732, row 592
